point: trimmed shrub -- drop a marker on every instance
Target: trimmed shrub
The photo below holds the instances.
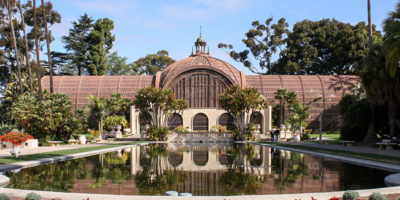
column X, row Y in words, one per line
column 350, row 195
column 33, row 196
column 218, row 128
column 376, row 196
column 115, row 120
column 181, row 129
column 4, row 197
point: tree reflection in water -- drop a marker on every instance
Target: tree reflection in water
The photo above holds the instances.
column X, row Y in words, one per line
column 155, row 178
column 287, row 170
column 241, row 178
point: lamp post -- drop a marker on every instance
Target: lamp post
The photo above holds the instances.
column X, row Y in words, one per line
column 320, row 126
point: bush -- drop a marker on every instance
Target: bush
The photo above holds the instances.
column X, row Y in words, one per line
column 376, row 196
column 356, row 120
column 306, row 136
column 181, row 129
column 115, row 120
column 350, row 195
column 157, row 134
column 4, row 197
column 5, row 128
column 33, row 196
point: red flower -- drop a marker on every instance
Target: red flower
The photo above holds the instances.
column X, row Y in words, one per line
column 16, row 138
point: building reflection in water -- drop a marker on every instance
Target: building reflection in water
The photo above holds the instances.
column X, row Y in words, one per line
column 200, row 169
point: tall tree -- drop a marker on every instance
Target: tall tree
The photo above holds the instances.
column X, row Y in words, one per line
column 152, row 63
column 28, row 63
column 280, row 95
column 101, row 41
column 263, row 41
column 76, row 43
column 369, row 24
column 36, row 36
column 47, row 35
column 392, row 40
column 10, row 5
column 116, row 65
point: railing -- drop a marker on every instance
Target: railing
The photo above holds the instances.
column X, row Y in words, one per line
column 204, row 134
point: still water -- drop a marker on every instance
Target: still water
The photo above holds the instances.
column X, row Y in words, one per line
column 200, row 169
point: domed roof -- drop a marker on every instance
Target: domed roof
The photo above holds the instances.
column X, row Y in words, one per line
column 200, row 61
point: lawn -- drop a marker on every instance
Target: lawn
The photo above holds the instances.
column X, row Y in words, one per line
column 61, row 153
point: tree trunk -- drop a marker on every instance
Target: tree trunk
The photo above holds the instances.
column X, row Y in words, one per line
column 371, row 135
column 369, row 24
column 28, row 64
column 392, row 116
column 48, row 48
column 101, row 128
column 9, row 9
column 281, row 115
column 37, row 51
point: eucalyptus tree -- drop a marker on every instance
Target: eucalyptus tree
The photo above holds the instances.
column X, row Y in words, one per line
column 240, row 103
column 152, row 63
column 47, row 35
column 36, row 36
column 28, row 63
column 9, row 5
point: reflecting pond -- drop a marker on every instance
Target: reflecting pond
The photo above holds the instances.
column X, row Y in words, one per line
column 200, row 169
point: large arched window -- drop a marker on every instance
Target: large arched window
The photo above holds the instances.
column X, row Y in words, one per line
column 200, row 88
column 256, row 119
column 200, row 122
column 200, row 158
column 174, row 121
column 226, row 120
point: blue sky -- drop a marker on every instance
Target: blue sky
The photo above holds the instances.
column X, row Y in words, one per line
column 146, row 26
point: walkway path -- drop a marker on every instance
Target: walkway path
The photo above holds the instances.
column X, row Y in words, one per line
column 5, row 153
column 358, row 149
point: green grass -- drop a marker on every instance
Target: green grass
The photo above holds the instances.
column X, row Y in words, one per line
column 61, row 153
column 333, row 136
column 365, row 156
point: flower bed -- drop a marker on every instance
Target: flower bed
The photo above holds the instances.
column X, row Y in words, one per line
column 16, row 138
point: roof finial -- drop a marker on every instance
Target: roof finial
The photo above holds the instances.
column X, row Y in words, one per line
column 200, row 31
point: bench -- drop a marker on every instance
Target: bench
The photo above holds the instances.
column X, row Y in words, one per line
column 325, row 141
column 97, row 140
column 54, row 143
column 72, row 141
column 347, row 143
column 386, row 145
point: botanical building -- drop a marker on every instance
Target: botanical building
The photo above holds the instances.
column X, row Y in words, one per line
column 200, row 79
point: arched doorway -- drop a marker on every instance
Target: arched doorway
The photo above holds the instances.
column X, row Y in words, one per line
column 200, row 122
column 256, row 118
column 226, row 120
column 174, row 121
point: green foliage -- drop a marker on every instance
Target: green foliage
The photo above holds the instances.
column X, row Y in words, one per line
column 181, row 129
column 356, row 118
column 115, row 120
column 376, row 196
column 300, row 113
column 33, row 196
column 153, row 63
column 239, row 102
column 4, row 197
column 311, row 47
column 5, row 128
column 350, row 195
column 116, row 65
column 158, row 104
column 306, row 136
column 52, row 117
column 76, row 43
column 118, row 105
column 157, row 134
column 100, row 40
column 392, row 41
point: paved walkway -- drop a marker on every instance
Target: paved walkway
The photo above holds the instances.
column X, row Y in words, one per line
column 358, row 149
column 5, row 153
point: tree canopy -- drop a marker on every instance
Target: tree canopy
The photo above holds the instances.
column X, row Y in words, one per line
column 152, row 63
column 327, row 47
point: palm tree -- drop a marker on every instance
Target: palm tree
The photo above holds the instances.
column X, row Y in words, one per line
column 36, row 36
column 100, row 110
column 28, row 65
column 369, row 24
column 280, row 95
column 392, row 40
column 300, row 114
column 9, row 5
column 48, row 47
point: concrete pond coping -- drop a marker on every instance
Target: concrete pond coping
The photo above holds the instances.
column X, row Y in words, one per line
column 395, row 178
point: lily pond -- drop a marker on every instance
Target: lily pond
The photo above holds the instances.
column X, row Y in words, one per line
column 200, row 169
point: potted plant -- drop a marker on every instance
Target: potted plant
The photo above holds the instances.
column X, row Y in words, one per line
column 16, row 138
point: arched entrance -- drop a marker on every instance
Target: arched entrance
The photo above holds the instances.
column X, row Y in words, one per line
column 200, row 122
column 256, row 118
column 174, row 121
column 226, row 120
